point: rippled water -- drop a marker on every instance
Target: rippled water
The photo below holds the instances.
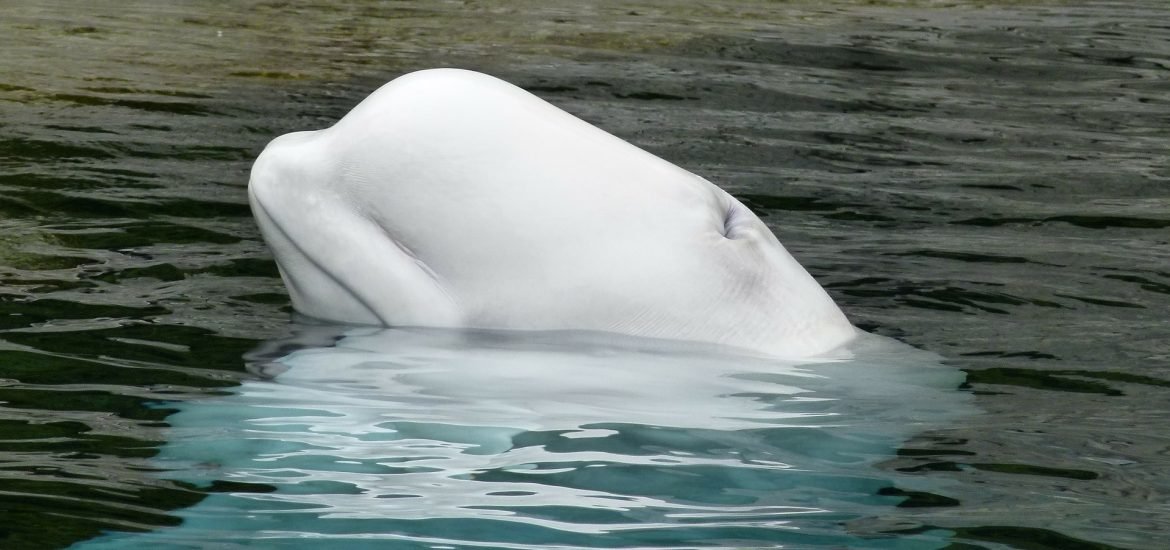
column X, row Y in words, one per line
column 454, row 439
column 983, row 180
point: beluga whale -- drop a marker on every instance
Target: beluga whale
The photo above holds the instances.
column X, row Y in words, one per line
column 569, row 342
column 449, row 198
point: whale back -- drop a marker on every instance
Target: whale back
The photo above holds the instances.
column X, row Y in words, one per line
column 450, row 198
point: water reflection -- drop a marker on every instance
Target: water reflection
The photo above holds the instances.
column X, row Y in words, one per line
column 564, row 438
column 982, row 178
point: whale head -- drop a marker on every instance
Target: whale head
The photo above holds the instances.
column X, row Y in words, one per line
column 449, row 198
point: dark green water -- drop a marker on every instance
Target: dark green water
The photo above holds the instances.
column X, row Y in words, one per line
column 987, row 181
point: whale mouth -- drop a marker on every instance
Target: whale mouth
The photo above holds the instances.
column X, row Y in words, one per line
column 306, row 275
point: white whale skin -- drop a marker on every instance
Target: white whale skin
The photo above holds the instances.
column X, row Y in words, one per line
column 449, row 198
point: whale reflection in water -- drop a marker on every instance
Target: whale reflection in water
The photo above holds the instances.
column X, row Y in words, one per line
column 409, row 438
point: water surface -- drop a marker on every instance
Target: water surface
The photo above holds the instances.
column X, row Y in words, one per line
column 982, row 180
column 440, row 438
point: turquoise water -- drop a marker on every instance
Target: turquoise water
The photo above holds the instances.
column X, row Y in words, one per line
column 451, row 439
column 985, row 181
